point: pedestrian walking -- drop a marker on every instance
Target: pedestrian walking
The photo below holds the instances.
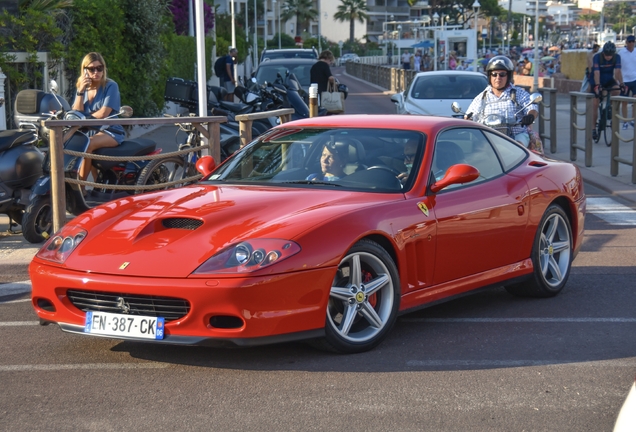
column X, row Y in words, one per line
column 406, row 60
column 628, row 60
column 417, row 61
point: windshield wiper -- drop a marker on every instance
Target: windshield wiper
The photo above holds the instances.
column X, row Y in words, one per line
column 312, row 182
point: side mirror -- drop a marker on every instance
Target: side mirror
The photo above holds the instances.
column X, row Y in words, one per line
column 126, row 111
column 205, row 165
column 456, row 108
column 54, row 87
column 397, row 98
column 536, row 98
column 456, row 174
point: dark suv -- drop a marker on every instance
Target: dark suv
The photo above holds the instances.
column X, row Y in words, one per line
column 289, row 53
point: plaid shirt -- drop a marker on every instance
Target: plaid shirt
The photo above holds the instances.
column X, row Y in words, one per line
column 503, row 106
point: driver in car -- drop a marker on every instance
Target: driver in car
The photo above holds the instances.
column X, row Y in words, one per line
column 332, row 162
column 504, row 99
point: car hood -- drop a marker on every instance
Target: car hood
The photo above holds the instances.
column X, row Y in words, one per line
column 171, row 233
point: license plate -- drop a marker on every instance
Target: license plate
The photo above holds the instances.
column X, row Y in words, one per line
column 133, row 326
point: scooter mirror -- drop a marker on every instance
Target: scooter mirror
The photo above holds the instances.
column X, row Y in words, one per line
column 125, row 111
column 455, row 107
column 536, row 98
column 54, row 86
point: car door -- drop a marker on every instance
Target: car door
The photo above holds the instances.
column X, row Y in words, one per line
column 480, row 224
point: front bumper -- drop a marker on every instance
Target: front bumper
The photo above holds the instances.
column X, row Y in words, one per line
column 271, row 309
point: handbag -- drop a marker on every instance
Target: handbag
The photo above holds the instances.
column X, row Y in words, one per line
column 332, row 100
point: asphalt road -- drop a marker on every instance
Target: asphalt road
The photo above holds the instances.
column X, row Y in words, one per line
column 485, row 362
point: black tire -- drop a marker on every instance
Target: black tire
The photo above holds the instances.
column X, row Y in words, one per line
column 551, row 257
column 607, row 136
column 37, row 221
column 161, row 171
column 363, row 301
column 601, row 126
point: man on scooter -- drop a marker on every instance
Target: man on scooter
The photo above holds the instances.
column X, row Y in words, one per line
column 504, row 99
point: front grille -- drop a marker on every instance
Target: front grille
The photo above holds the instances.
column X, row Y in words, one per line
column 182, row 223
column 167, row 307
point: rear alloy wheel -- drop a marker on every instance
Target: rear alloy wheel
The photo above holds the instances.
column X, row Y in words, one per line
column 551, row 256
column 363, row 301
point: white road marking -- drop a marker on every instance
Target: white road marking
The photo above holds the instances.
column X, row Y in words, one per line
column 57, row 367
column 611, row 211
column 628, row 363
column 18, row 323
column 519, row 320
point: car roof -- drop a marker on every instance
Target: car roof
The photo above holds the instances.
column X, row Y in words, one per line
column 404, row 122
column 449, row 72
column 288, row 61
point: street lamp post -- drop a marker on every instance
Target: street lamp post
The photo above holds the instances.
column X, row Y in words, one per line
column 319, row 28
column 476, row 7
column 435, row 21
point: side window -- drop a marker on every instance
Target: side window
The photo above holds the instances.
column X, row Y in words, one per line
column 468, row 146
column 511, row 154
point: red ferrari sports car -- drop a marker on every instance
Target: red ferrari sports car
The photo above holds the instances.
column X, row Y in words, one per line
column 324, row 229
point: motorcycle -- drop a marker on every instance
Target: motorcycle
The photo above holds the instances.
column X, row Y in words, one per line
column 505, row 125
column 20, row 161
column 37, row 221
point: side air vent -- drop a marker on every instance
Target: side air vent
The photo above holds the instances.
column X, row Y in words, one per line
column 537, row 164
column 182, row 223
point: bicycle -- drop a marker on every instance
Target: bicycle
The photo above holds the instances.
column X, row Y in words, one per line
column 605, row 115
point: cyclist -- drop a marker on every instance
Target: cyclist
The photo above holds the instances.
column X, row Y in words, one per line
column 503, row 98
column 606, row 69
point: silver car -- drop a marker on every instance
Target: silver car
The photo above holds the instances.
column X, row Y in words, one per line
column 432, row 93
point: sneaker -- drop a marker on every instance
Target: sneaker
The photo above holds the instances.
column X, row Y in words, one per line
column 625, row 126
column 594, row 134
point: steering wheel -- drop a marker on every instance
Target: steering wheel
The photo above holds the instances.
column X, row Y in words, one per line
column 385, row 168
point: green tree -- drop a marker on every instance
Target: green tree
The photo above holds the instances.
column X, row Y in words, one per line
column 304, row 12
column 352, row 10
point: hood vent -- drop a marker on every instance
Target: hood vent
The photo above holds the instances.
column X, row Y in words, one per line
column 182, row 223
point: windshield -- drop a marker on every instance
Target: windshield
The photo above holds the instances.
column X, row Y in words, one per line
column 374, row 160
column 269, row 73
column 448, row 87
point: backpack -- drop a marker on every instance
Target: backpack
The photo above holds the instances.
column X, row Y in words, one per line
column 219, row 66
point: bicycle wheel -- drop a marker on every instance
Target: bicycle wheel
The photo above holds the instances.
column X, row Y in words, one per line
column 607, row 135
column 602, row 120
column 161, row 171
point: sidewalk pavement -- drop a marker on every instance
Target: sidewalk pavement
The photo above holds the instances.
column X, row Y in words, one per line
column 14, row 250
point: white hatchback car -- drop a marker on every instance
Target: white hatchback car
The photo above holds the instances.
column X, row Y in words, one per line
column 432, row 93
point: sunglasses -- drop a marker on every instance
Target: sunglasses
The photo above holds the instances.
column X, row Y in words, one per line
column 409, row 156
column 631, row 41
column 95, row 69
column 498, row 74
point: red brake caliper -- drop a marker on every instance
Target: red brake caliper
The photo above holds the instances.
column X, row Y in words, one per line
column 366, row 277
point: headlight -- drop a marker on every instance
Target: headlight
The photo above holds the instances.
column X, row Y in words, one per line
column 249, row 256
column 74, row 115
column 61, row 245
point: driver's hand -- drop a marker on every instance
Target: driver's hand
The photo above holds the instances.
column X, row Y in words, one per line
column 596, row 90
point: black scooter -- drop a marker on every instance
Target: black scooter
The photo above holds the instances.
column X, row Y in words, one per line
column 20, row 159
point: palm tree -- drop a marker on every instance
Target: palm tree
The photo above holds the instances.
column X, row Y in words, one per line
column 304, row 12
column 352, row 10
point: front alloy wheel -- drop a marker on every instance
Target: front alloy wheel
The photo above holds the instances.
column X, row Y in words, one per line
column 364, row 299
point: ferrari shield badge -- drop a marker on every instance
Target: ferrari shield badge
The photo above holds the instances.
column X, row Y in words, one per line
column 123, row 266
column 423, row 208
